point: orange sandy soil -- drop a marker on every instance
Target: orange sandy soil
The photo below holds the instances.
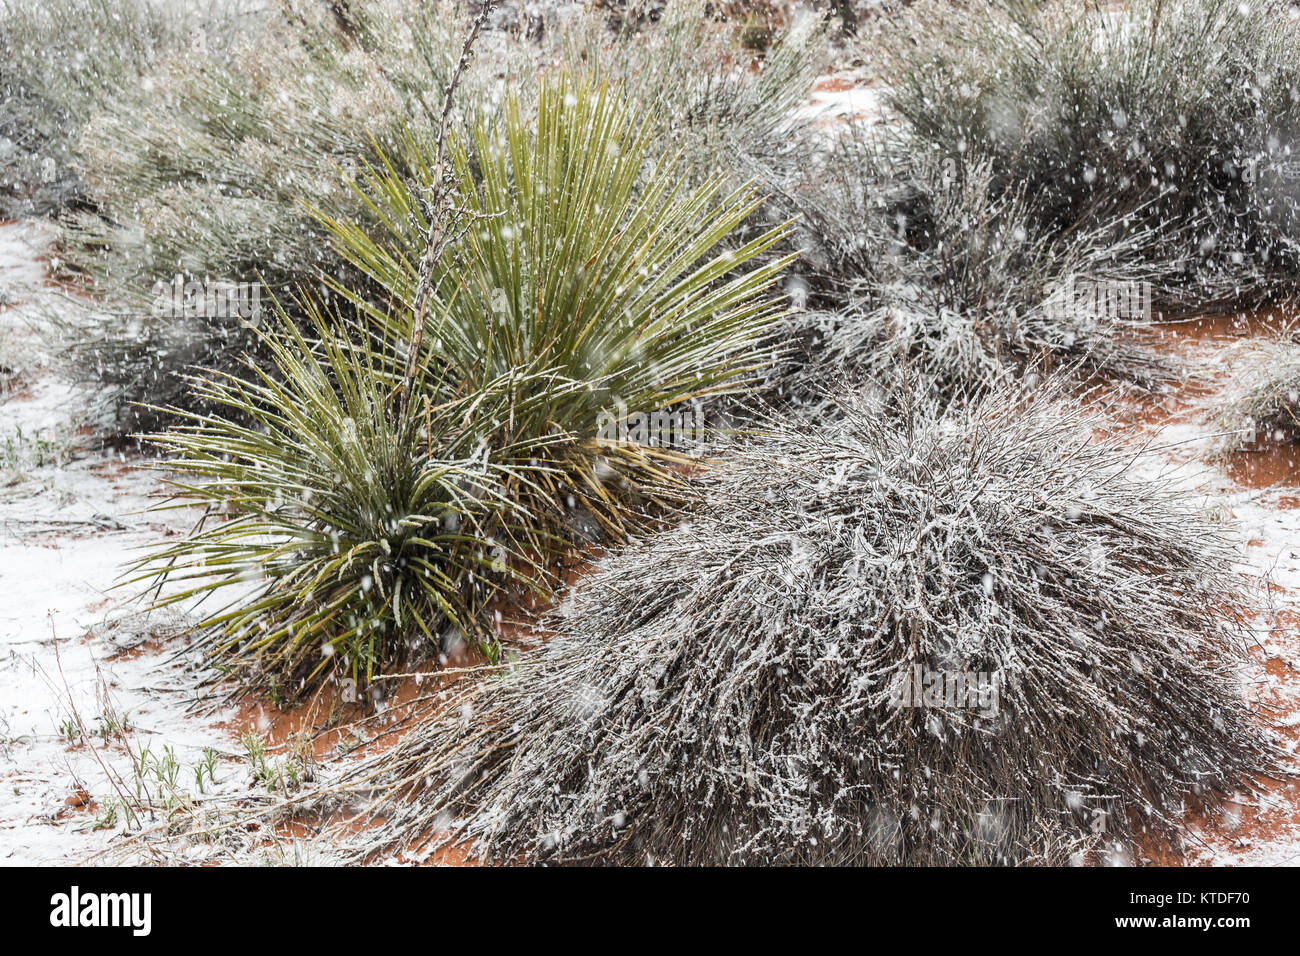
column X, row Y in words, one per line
column 1272, row 469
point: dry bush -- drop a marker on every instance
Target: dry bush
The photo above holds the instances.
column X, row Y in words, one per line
column 213, row 169
column 1178, row 117
column 916, row 265
column 727, row 691
column 1263, row 399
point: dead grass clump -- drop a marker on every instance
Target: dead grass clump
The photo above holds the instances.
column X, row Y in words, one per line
column 1267, row 406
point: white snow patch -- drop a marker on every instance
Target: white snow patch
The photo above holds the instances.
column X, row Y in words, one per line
column 72, row 515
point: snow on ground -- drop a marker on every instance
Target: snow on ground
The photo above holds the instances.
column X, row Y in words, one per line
column 70, row 518
column 847, row 96
column 1261, row 828
column 1264, row 828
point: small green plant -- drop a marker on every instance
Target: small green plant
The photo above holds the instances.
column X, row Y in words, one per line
column 206, row 767
column 154, row 790
column 113, row 726
column 23, row 450
column 255, row 750
column 286, row 774
column 167, row 768
column 105, row 817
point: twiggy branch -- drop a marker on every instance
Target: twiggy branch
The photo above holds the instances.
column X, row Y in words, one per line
column 440, row 212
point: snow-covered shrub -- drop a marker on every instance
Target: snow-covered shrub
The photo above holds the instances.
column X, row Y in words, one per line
column 61, row 60
column 1178, row 117
column 211, row 166
column 970, row 638
column 722, row 108
column 914, row 265
column 1263, row 398
column 587, row 256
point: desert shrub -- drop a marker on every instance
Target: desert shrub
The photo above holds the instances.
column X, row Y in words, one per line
column 211, row 168
column 1180, row 117
column 1262, row 403
column 62, row 59
column 742, row 688
column 585, row 256
column 913, row 264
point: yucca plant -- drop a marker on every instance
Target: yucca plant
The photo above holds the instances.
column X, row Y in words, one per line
column 582, row 258
column 376, row 481
column 345, row 531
